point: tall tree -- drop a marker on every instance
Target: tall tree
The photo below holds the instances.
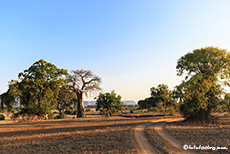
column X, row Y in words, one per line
column 83, row 82
column 204, row 69
column 161, row 97
column 109, row 101
column 39, row 87
column 162, row 94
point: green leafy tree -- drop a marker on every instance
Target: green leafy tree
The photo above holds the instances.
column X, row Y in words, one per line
column 162, row 94
column 161, row 98
column 83, row 82
column 146, row 103
column 111, row 102
column 38, row 87
column 205, row 70
column 8, row 100
column 224, row 104
column 66, row 98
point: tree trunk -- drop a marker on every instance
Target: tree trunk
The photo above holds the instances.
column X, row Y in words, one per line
column 80, row 105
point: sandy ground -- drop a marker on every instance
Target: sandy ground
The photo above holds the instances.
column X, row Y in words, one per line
column 145, row 147
column 212, row 135
column 88, row 135
column 157, row 134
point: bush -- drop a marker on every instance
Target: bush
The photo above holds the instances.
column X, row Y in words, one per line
column 15, row 116
column 59, row 116
column 69, row 110
column 153, row 109
column 2, row 117
column 171, row 111
column 55, row 112
column 131, row 111
column 87, row 109
column 51, row 116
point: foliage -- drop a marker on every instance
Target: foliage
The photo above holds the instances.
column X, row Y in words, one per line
column 51, row 115
column 147, row 103
column 83, row 82
column 8, row 100
column 69, row 110
column 66, row 99
column 204, row 69
column 2, row 117
column 224, row 104
column 38, row 88
column 111, row 102
column 88, row 110
column 161, row 99
column 59, row 116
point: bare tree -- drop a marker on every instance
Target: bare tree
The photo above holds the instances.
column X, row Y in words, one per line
column 83, row 82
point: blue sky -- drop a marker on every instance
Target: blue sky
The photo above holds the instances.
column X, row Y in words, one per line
column 132, row 45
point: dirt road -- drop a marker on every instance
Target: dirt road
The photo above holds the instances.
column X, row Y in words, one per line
column 160, row 130
column 145, row 147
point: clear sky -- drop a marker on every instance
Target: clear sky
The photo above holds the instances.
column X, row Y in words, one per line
column 132, row 45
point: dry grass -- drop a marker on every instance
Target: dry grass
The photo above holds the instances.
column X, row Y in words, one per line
column 215, row 135
column 96, row 135
column 105, row 135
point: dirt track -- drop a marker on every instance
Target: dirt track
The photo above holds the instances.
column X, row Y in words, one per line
column 147, row 148
column 160, row 130
column 106, row 135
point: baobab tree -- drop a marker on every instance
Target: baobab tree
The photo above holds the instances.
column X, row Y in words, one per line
column 83, row 82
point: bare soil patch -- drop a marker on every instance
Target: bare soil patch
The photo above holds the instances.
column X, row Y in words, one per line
column 214, row 135
column 157, row 141
column 94, row 135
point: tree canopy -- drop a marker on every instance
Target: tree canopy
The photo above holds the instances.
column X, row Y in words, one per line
column 205, row 70
column 83, row 82
column 161, row 99
column 66, row 98
column 109, row 101
column 38, row 87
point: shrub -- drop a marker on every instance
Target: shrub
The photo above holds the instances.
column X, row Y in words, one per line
column 51, row 116
column 69, row 110
column 59, row 116
column 75, row 112
column 2, row 117
column 15, row 116
column 87, row 109
column 171, row 111
column 153, row 109
column 131, row 111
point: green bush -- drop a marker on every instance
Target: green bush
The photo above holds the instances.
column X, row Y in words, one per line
column 69, row 110
column 2, row 117
column 131, row 111
column 172, row 111
column 87, row 109
column 59, row 116
column 51, row 116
